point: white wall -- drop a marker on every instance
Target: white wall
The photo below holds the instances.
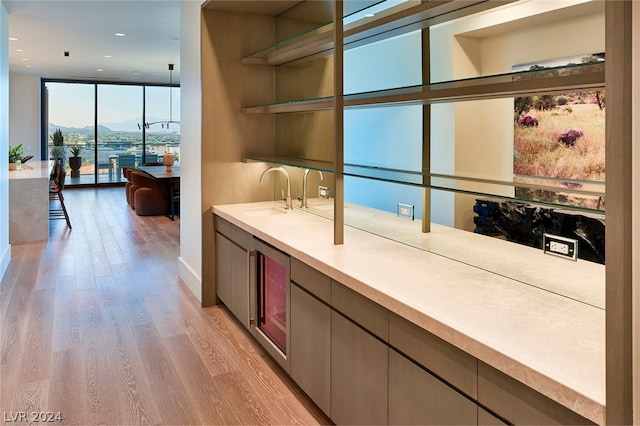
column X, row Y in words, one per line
column 5, row 248
column 191, row 209
column 24, row 116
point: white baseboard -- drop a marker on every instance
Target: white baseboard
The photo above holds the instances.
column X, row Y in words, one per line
column 190, row 278
column 5, row 258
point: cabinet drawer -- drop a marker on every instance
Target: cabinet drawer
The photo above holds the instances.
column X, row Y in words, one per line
column 454, row 366
column 311, row 280
column 419, row 398
column 359, row 375
column 360, row 310
column 239, row 236
column 311, row 346
column 518, row 403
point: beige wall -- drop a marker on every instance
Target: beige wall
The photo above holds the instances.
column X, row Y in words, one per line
column 228, row 134
column 636, row 216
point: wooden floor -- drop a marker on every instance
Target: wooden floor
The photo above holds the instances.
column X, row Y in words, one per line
column 97, row 326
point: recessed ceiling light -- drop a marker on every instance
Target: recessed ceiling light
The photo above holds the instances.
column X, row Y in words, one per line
column 119, row 34
column 28, row 66
column 107, row 56
column 99, row 70
column 25, row 59
column 19, row 50
column 13, row 39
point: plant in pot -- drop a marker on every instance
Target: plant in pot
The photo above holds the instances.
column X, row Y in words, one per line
column 75, row 161
column 58, row 144
column 15, row 156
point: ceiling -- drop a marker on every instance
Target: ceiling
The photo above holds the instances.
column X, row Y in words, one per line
column 45, row 29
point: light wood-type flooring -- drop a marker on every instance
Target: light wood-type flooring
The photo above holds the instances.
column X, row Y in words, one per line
column 96, row 325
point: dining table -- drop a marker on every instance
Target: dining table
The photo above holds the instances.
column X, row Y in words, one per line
column 172, row 177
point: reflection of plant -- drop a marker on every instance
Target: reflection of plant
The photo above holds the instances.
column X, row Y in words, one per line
column 57, row 152
column 58, row 141
column 75, row 150
column 15, row 153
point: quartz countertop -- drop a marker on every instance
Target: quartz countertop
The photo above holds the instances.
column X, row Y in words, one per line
column 552, row 343
column 32, row 170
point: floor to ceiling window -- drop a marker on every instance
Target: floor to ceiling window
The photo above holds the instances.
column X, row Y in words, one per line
column 109, row 126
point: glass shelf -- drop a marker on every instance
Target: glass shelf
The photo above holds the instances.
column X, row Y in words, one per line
column 310, row 42
column 586, row 196
column 323, row 166
column 545, row 81
column 304, row 105
column 364, row 29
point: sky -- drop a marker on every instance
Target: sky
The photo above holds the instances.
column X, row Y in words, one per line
column 72, row 104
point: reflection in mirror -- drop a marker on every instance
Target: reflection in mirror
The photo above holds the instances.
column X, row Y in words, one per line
column 504, row 237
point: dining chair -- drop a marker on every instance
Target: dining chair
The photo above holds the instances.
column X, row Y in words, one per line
column 150, row 158
column 125, row 160
column 55, row 193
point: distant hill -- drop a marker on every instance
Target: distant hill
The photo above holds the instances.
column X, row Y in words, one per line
column 122, row 126
column 53, row 127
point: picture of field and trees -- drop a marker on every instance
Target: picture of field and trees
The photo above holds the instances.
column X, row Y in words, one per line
column 560, row 140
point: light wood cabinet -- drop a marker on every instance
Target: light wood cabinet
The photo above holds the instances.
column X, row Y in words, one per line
column 359, row 374
column 311, row 346
column 416, row 397
column 232, row 269
column 223, row 268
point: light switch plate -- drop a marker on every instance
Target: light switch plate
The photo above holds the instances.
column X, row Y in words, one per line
column 323, row 192
column 405, row 211
column 560, row 246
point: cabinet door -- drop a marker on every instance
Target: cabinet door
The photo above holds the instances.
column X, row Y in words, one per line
column 223, row 269
column 418, row 398
column 240, row 284
column 311, row 346
column 359, row 374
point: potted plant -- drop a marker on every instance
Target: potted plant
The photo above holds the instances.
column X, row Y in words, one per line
column 58, row 144
column 75, row 161
column 15, row 156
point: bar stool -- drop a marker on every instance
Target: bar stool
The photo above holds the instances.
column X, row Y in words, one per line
column 55, row 193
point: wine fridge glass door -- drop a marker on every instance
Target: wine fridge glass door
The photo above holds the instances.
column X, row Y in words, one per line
column 272, row 300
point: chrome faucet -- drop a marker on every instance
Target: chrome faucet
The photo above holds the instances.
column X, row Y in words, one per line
column 284, row 172
column 303, row 201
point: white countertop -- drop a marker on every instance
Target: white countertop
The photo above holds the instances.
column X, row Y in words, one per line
column 32, row 170
column 552, row 343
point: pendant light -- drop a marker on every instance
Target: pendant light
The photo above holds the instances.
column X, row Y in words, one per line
column 170, row 121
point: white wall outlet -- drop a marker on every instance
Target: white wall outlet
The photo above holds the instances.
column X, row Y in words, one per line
column 405, row 211
column 560, row 246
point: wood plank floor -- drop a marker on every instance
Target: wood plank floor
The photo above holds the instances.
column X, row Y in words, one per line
column 97, row 326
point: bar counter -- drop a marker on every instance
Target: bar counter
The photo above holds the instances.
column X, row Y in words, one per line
column 29, row 202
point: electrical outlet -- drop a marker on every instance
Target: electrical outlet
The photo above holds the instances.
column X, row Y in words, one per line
column 560, row 246
column 405, row 211
column 323, row 192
